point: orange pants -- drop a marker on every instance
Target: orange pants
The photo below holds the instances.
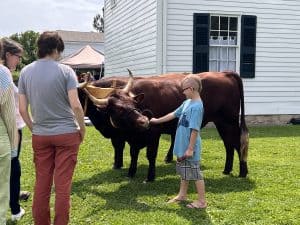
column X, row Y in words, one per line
column 55, row 158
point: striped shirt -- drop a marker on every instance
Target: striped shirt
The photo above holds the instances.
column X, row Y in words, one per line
column 7, row 106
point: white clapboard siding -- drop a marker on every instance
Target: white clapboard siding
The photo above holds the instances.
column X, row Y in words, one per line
column 149, row 35
column 276, row 86
column 130, row 37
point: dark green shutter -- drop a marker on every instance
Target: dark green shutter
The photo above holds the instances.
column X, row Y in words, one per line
column 248, row 46
column 201, row 42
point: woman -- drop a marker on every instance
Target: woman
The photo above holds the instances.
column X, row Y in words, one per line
column 57, row 127
column 8, row 136
column 11, row 56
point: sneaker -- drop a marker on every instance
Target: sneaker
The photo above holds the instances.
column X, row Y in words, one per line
column 24, row 195
column 16, row 217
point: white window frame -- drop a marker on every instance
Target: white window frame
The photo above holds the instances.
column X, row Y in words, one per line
column 236, row 46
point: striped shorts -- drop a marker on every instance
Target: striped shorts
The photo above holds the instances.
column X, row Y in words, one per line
column 189, row 170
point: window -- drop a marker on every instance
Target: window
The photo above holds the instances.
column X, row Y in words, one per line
column 223, row 43
column 218, row 44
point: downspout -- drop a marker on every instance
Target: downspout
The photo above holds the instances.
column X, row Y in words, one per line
column 161, row 37
column 164, row 33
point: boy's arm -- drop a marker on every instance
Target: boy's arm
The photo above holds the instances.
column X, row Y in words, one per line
column 190, row 150
column 166, row 118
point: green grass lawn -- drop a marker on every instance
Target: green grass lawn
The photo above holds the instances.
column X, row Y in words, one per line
column 269, row 195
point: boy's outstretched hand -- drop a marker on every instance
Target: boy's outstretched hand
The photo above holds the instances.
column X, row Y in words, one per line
column 153, row 121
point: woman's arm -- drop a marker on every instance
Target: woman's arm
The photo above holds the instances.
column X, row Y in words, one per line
column 9, row 116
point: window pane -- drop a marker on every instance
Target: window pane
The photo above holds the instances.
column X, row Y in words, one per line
column 233, row 38
column 214, row 33
column 214, row 38
column 233, row 24
column 222, row 65
column 224, row 38
column 223, row 54
column 224, row 23
column 213, row 53
column 213, row 66
column 231, row 54
column 231, row 66
column 214, row 23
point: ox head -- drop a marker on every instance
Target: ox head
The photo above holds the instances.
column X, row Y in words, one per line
column 122, row 108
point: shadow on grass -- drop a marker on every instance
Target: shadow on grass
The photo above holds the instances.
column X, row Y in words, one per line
column 128, row 195
column 129, row 192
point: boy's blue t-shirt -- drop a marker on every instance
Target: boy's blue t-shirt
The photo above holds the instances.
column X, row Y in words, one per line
column 190, row 115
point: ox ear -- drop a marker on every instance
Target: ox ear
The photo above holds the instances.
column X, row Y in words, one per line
column 139, row 98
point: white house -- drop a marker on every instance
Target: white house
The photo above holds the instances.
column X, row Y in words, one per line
column 75, row 40
column 258, row 39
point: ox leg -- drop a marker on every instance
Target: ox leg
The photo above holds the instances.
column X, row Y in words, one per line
column 118, row 145
column 243, row 169
column 230, row 136
column 134, row 153
column 243, row 166
column 169, row 156
column 151, row 156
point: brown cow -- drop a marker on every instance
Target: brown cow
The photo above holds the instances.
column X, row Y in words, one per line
column 222, row 96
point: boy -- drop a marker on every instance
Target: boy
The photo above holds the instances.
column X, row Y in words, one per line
column 187, row 146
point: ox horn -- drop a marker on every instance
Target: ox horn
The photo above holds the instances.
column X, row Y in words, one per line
column 96, row 101
column 82, row 85
column 129, row 84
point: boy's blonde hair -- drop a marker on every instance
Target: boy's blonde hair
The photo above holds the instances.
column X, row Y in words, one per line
column 194, row 81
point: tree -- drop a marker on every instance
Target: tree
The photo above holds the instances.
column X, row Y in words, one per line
column 98, row 22
column 28, row 40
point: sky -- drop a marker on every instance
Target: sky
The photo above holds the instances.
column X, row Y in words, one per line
column 17, row 16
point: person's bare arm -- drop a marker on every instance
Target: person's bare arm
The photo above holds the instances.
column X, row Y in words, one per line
column 23, row 109
column 190, row 150
column 77, row 109
column 163, row 119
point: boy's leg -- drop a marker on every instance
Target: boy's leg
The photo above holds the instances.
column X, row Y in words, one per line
column 44, row 155
column 65, row 162
column 200, row 203
column 200, row 186
column 184, row 184
column 182, row 192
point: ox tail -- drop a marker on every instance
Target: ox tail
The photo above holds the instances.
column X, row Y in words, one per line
column 244, row 133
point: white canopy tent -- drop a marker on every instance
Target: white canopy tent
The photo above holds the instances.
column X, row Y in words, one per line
column 85, row 58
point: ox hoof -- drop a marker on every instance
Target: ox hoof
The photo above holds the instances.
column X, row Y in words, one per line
column 168, row 160
column 243, row 175
column 147, row 181
column 130, row 175
column 226, row 172
column 117, row 167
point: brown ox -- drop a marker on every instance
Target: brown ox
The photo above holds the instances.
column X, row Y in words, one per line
column 222, row 96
